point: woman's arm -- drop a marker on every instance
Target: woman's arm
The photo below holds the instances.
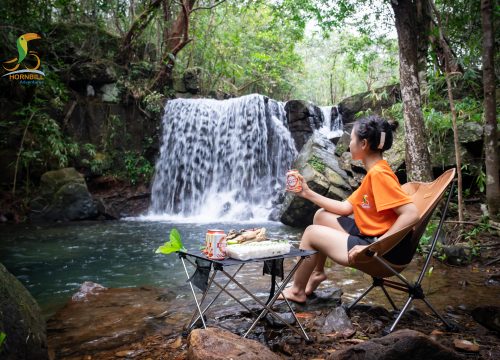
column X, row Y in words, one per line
column 334, row 206
column 407, row 215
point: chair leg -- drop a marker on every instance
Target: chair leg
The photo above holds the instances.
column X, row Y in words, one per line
column 360, row 297
column 389, row 298
column 401, row 313
column 448, row 326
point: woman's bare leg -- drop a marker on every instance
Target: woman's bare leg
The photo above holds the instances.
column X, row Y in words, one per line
column 325, row 218
column 331, row 242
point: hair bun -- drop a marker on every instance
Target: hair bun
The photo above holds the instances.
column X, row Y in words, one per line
column 393, row 125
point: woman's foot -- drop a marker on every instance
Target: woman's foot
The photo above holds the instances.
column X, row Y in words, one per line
column 316, row 278
column 293, row 295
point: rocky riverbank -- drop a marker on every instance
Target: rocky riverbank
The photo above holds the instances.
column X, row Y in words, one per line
column 147, row 323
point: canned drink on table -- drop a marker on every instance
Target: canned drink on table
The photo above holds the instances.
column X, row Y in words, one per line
column 215, row 244
column 293, row 183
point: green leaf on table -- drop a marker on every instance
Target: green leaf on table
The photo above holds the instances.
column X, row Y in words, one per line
column 2, row 338
column 173, row 245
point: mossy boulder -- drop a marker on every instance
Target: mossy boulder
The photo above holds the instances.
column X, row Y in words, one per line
column 63, row 197
column 21, row 321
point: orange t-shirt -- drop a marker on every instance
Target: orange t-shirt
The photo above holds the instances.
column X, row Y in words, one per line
column 373, row 202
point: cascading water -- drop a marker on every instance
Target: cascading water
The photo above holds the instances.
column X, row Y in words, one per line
column 221, row 160
column 329, row 129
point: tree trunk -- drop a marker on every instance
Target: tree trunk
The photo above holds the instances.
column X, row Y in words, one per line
column 418, row 162
column 447, row 74
column 176, row 37
column 138, row 26
column 490, row 128
column 424, row 20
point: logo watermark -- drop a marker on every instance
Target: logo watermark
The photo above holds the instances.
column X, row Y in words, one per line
column 29, row 59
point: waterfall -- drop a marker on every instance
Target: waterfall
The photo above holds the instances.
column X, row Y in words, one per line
column 329, row 129
column 221, row 160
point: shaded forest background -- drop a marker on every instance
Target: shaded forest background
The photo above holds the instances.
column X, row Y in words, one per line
column 120, row 60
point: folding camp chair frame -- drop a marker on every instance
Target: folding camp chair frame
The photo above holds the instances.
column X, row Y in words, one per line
column 414, row 290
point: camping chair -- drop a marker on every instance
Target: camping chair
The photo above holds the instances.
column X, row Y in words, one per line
column 426, row 197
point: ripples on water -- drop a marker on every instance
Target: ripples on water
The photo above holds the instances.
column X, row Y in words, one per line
column 53, row 261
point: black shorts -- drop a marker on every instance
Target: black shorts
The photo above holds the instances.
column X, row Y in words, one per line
column 401, row 254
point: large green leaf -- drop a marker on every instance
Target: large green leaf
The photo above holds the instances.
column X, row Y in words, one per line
column 173, row 245
column 2, row 338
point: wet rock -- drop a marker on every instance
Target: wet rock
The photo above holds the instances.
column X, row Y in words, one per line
column 21, row 321
column 457, row 254
column 338, row 322
column 488, row 316
column 403, row 344
column 303, row 118
column 465, row 345
column 215, row 343
column 287, row 317
column 110, row 319
column 325, row 298
column 64, row 196
column 86, row 289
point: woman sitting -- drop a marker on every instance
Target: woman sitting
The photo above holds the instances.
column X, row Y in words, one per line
column 379, row 206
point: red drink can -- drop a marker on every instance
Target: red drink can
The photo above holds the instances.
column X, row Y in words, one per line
column 215, row 244
column 293, row 183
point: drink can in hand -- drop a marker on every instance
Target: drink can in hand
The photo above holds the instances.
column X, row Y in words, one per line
column 293, row 183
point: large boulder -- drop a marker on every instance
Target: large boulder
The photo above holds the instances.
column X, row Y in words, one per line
column 63, row 197
column 402, row 344
column 375, row 100
column 21, row 321
column 320, row 168
column 303, row 118
column 218, row 344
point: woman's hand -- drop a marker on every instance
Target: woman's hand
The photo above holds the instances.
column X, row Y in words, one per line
column 305, row 188
column 353, row 253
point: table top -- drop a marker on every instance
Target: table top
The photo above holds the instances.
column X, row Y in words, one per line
column 229, row 261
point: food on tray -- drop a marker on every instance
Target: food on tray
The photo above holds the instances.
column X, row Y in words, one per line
column 257, row 250
column 246, row 236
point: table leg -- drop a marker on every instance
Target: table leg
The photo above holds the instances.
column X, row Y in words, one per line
column 267, row 307
column 194, row 294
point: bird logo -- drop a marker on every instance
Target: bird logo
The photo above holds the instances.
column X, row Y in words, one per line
column 23, row 53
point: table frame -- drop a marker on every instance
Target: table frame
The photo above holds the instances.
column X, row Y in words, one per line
column 218, row 266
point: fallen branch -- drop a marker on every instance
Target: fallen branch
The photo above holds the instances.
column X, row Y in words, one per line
column 496, row 227
column 492, row 261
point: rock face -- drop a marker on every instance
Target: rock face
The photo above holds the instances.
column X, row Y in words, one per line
column 303, row 118
column 21, row 321
column 218, row 344
column 319, row 166
column 402, row 344
column 63, row 196
column 380, row 98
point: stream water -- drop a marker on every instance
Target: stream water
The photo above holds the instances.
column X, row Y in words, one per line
column 53, row 261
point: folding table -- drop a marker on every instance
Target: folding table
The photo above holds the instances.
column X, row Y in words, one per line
column 271, row 266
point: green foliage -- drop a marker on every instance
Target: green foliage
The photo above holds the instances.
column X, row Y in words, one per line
column 137, row 168
column 154, row 102
column 426, row 238
column 3, row 336
column 236, row 61
column 316, row 163
column 173, row 245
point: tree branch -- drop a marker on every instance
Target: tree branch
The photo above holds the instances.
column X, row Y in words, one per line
column 208, row 7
